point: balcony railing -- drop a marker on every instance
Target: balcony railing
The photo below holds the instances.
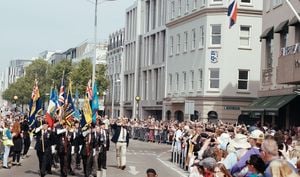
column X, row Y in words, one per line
column 267, row 76
column 290, row 50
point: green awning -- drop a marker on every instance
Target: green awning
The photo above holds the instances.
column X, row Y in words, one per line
column 284, row 100
column 267, row 33
column 254, row 106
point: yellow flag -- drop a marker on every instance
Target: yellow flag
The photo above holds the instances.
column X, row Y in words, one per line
column 87, row 111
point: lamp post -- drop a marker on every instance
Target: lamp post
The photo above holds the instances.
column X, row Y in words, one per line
column 95, row 41
column 113, row 96
column 15, row 101
column 137, row 99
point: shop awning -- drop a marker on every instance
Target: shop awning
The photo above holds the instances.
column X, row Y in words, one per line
column 284, row 100
column 281, row 26
column 294, row 21
column 267, row 32
column 268, row 105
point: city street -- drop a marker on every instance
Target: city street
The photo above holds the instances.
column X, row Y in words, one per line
column 140, row 156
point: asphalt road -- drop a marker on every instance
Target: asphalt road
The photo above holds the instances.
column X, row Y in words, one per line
column 140, row 156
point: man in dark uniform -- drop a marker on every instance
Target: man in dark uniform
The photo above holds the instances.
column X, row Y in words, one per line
column 102, row 145
column 26, row 136
column 43, row 147
column 77, row 144
column 87, row 151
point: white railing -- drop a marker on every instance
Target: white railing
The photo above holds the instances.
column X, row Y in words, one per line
column 290, row 50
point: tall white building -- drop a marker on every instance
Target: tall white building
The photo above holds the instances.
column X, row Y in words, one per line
column 213, row 71
column 86, row 50
column 16, row 69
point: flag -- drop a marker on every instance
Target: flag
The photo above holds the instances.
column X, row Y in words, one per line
column 61, row 98
column 87, row 110
column 76, row 106
column 52, row 107
column 35, row 105
column 89, row 90
column 69, row 108
column 232, row 13
column 95, row 103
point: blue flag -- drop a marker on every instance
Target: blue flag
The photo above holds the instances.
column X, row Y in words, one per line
column 76, row 114
column 95, row 103
column 69, row 106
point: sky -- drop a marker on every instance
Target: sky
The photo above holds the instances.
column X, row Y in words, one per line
column 29, row 27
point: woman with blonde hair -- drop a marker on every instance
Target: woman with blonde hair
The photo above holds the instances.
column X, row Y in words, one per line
column 281, row 168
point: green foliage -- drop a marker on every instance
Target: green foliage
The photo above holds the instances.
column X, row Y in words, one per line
column 46, row 74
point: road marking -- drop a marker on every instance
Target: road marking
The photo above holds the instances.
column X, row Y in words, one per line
column 171, row 167
column 132, row 170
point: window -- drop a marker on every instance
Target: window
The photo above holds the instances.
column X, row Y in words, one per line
column 170, row 82
column 217, row 1
column 192, row 81
column 269, row 52
column 193, row 46
column 245, row 36
column 194, row 4
column 178, row 44
column 214, row 78
column 177, row 82
column 184, row 81
column 200, row 84
column 276, row 3
column 215, row 34
column 202, row 3
column 179, row 7
column 245, row 1
column 185, row 41
column 243, row 80
column 201, row 37
column 171, row 45
column 187, row 6
column 172, row 9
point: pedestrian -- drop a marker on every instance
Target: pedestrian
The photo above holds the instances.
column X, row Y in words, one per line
column 256, row 166
column 18, row 142
column 121, row 139
column 26, row 136
column 102, row 144
column 7, row 142
column 151, row 172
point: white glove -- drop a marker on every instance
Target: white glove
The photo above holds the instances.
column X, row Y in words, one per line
column 60, row 131
column 38, row 129
column 85, row 133
column 53, row 149
column 94, row 152
column 80, row 146
column 72, row 150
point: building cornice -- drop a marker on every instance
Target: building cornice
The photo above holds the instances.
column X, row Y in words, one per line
column 210, row 98
column 206, row 11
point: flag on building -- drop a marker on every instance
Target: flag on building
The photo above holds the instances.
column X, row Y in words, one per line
column 35, row 104
column 52, row 107
column 232, row 13
column 95, row 103
column 87, row 110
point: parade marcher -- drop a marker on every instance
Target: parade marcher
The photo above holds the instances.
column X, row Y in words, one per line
column 121, row 138
column 7, row 142
column 102, row 144
column 76, row 144
column 87, row 151
column 18, row 142
column 44, row 141
column 26, row 136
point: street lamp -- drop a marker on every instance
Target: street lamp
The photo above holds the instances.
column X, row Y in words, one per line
column 15, row 100
column 113, row 96
column 137, row 99
column 95, row 40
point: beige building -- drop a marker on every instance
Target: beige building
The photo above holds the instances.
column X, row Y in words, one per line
column 278, row 103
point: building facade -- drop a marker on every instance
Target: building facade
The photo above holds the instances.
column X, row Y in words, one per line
column 213, row 71
column 16, row 69
column 144, row 59
column 280, row 67
column 114, row 62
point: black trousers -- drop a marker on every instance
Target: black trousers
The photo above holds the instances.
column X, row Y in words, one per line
column 63, row 164
column 87, row 165
column 44, row 163
column 102, row 158
column 16, row 156
column 26, row 145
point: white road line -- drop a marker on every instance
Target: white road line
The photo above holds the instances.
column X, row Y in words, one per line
column 174, row 169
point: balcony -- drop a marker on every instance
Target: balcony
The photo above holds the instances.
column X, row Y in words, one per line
column 267, row 76
column 288, row 69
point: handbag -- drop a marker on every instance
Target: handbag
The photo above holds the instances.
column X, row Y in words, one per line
column 8, row 142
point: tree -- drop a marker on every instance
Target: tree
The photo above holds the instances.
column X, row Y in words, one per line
column 56, row 71
column 101, row 78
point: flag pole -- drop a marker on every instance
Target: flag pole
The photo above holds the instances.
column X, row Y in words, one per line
column 293, row 9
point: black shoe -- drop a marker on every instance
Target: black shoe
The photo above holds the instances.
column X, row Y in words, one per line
column 5, row 167
column 123, row 167
column 72, row 173
column 49, row 172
